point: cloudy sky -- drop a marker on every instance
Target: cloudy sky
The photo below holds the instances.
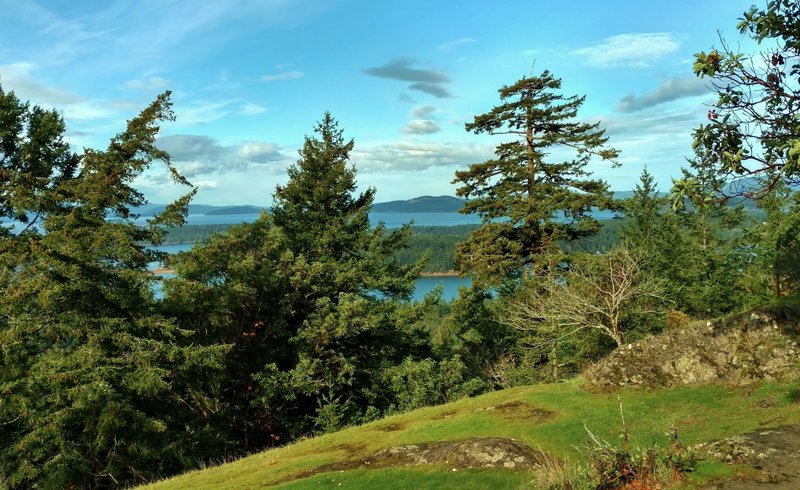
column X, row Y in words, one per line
column 251, row 77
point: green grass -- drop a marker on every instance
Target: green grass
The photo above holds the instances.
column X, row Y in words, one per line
column 701, row 413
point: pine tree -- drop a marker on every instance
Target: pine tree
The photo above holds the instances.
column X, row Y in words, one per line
column 654, row 233
column 537, row 191
column 773, row 245
column 98, row 389
column 711, row 230
column 311, row 297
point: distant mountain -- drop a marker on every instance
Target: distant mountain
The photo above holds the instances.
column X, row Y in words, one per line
column 226, row 211
column 423, row 204
column 151, row 209
column 623, row 194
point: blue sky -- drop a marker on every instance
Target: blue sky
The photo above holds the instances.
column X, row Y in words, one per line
column 251, row 77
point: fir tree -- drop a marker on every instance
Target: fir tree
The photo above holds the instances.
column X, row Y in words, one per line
column 537, row 191
column 311, row 297
column 98, row 389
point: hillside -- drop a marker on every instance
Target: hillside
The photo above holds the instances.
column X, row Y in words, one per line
column 422, row 204
column 546, row 422
column 230, row 210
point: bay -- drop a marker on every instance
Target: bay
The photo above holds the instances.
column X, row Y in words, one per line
column 425, row 285
column 390, row 220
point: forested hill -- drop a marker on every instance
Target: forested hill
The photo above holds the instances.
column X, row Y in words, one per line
column 230, row 210
column 422, row 204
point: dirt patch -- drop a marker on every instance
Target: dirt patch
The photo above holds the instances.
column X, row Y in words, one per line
column 519, row 410
column 774, row 453
column 350, row 449
column 443, row 415
column 492, row 452
column 524, row 411
column 391, row 427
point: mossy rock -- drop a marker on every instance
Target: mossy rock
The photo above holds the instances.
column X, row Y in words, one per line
column 761, row 344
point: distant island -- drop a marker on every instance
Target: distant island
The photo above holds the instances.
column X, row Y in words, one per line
column 231, row 210
column 422, row 204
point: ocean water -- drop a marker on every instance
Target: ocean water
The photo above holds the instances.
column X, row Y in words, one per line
column 449, row 284
column 390, row 220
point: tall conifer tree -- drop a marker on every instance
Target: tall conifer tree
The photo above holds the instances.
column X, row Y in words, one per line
column 97, row 389
column 311, row 296
column 537, row 190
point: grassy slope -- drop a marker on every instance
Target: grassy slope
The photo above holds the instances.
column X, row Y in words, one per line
column 701, row 413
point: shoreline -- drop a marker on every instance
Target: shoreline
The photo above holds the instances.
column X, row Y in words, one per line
column 450, row 273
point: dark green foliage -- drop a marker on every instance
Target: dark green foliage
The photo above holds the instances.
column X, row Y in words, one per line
column 773, row 247
column 192, row 233
column 435, row 243
column 98, row 389
column 606, row 238
column 34, row 160
column 312, row 300
column 416, row 384
column 521, row 192
column 471, row 331
column 697, row 250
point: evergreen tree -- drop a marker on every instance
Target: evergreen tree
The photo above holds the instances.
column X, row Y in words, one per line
column 537, row 190
column 98, row 389
column 696, row 246
column 773, row 245
column 712, row 230
column 311, row 297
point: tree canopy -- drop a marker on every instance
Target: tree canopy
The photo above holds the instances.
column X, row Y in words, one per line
column 311, row 297
column 537, row 191
column 98, row 388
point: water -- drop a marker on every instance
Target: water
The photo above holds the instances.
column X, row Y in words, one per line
column 390, row 220
column 449, row 284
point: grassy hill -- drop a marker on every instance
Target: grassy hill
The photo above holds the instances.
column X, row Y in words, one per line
column 552, row 420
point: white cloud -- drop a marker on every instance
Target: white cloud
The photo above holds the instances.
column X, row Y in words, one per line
column 205, row 184
column 286, row 75
column 148, row 84
column 422, row 121
column 636, row 50
column 260, row 152
column 200, row 155
column 18, row 77
column 403, row 156
column 423, row 111
column 667, row 91
column 201, row 112
column 421, row 126
column 250, row 109
column 193, row 169
column 447, row 46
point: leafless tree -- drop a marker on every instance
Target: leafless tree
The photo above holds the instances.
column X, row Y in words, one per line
column 595, row 293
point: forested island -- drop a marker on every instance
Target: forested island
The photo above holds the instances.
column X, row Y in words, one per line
column 658, row 349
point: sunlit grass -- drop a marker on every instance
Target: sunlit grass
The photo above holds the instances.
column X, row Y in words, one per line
column 553, row 418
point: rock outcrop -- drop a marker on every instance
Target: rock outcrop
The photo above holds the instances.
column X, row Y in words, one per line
column 774, row 453
column 758, row 345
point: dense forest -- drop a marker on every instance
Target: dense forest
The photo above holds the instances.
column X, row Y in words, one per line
column 302, row 323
